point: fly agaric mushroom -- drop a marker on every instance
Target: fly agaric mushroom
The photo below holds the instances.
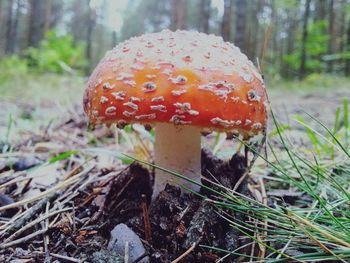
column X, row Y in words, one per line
column 180, row 82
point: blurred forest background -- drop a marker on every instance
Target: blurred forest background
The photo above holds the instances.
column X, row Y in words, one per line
column 287, row 38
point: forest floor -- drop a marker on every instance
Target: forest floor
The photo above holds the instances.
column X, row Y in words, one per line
column 63, row 188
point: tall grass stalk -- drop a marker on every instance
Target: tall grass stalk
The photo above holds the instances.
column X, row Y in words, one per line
column 317, row 226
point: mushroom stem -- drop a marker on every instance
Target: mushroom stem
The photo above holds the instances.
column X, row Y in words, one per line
column 177, row 148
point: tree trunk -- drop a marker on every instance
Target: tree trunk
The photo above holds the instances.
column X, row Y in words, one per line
column 241, row 11
column 302, row 68
column 259, row 38
column 56, row 12
column 227, row 20
column 47, row 20
column 331, row 41
column 320, row 10
column 9, row 22
column 342, row 30
column 80, row 20
column 204, row 16
column 274, row 29
column 1, row 6
column 90, row 27
column 347, row 61
column 35, row 31
column 1, row 29
column 178, row 13
column 287, row 46
column 15, row 28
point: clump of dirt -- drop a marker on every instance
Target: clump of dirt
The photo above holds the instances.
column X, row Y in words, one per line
column 176, row 221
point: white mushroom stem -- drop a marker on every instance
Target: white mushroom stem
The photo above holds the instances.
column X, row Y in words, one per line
column 177, row 148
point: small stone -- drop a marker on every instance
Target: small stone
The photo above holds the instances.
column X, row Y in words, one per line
column 122, row 234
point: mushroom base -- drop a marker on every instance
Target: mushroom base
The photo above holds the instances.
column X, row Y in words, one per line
column 178, row 149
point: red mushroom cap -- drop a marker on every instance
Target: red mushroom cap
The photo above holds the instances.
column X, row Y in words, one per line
column 180, row 77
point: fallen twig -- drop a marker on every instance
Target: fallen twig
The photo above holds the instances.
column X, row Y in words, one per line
column 145, row 210
column 48, row 191
column 65, row 258
column 188, row 251
column 29, row 214
column 23, row 239
column 39, row 196
column 46, row 238
column 33, row 223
